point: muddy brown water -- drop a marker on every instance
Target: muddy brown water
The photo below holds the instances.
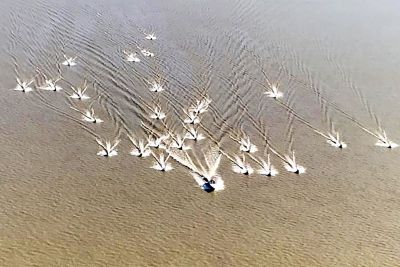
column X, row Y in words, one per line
column 61, row 205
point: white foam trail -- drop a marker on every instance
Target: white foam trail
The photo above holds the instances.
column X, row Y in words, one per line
column 193, row 134
column 140, row 149
column 156, row 87
column 162, row 163
column 179, row 142
column 23, row 86
column 88, row 115
column 381, row 141
column 206, row 177
column 191, row 117
column 69, row 61
column 241, row 166
column 335, row 141
column 292, row 166
column 51, row 85
column 79, row 96
column 145, row 52
column 157, row 142
column 132, row 57
column 215, row 183
column 209, row 134
column 246, row 145
column 157, row 114
column 267, row 169
column 200, row 106
column 108, row 149
column 384, row 141
column 274, row 92
column 79, row 93
column 151, row 36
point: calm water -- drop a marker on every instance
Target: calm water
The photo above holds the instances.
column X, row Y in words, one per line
column 336, row 61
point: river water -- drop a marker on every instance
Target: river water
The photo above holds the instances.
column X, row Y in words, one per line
column 336, row 63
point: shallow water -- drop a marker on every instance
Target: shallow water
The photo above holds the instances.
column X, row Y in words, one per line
column 64, row 206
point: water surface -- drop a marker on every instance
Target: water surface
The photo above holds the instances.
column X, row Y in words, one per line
column 64, row 206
